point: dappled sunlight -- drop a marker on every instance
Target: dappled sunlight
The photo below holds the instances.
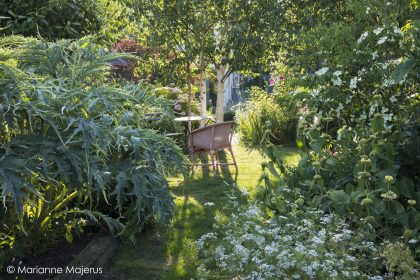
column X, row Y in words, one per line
column 244, row 140
column 290, row 156
column 198, row 201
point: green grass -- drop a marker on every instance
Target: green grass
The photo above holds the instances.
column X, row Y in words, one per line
column 171, row 253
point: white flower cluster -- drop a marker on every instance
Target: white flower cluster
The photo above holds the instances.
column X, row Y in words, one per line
column 382, row 40
column 339, row 109
column 388, row 82
column 336, row 80
column 378, row 30
column 387, row 118
column 205, row 237
column 388, row 35
column 318, row 246
column 252, row 212
column 353, row 83
column 363, row 37
column 321, row 71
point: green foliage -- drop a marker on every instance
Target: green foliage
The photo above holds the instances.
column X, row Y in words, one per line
column 75, row 144
column 263, row 118
column 399, row 261
column 179, row 99
column 107, row 20
column 229, row 116
column 360, row 126
column 238, row 34
column 50, row 18
column 248, row 33
column 411, row 63
column 402, row 70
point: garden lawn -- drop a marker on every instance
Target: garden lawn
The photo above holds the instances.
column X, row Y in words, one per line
column 171, row 253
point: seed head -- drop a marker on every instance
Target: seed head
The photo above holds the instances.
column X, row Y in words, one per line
column 317, row 177
column 411, row 202
column 366, row 201
column 389, row 179
column 389, row 196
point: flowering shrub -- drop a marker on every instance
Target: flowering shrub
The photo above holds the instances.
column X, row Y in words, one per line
column 296, row 245
column 361, row 125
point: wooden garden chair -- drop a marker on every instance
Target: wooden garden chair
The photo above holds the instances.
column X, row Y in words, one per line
column 210, row 139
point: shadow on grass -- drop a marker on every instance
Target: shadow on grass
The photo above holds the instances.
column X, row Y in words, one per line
column 174, row 255
column 221, row 157
column 198, row 202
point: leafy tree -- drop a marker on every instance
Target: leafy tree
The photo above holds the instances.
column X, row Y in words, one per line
column 246, row 37
column 233, row 35
column 182, row 26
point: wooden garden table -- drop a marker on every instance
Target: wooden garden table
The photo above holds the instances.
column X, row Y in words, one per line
column 194, row 118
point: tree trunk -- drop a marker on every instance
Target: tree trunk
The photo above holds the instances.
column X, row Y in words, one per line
column 203, row 97
column 220, row 94
column 189, row 92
